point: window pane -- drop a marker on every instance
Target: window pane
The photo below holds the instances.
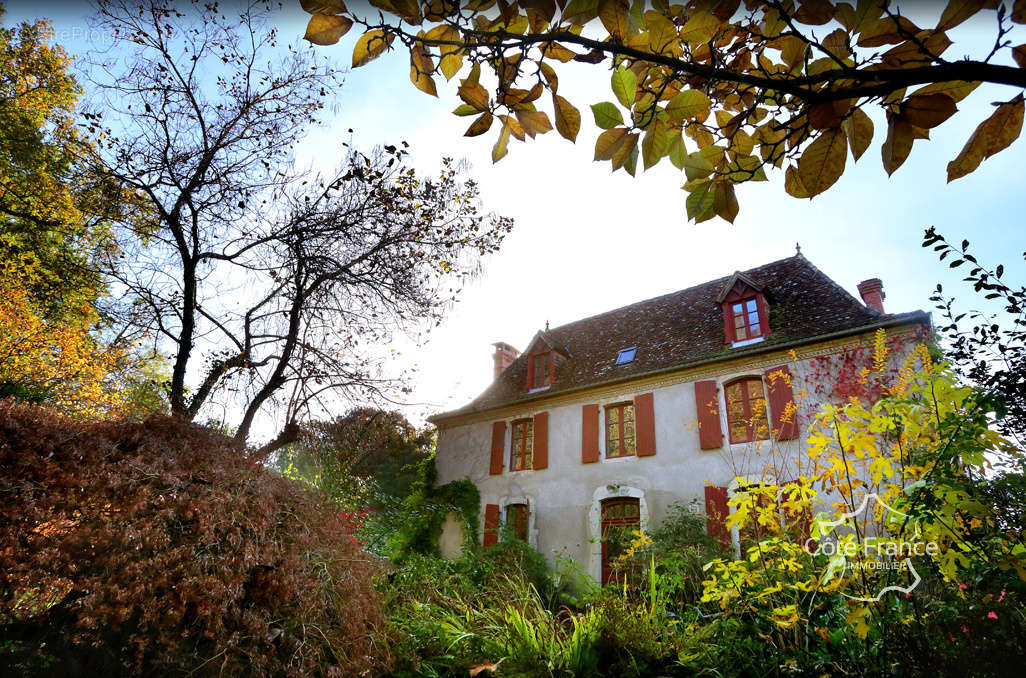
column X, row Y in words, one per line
column 750, row 304
column 757, row 408
column 613, row 414
column 738, row 309
column 614, row 448
column 736, row 412
column 628, row 412
column 754, row 388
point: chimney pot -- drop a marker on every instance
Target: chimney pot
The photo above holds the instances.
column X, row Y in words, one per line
column 872, row 293
column 503, row 357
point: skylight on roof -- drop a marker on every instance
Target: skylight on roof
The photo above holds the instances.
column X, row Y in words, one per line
column 626, row 355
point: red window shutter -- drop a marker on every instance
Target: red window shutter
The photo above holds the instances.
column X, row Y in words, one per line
column 778, row 383
column 716, row 512
column 644, row 422
column 707, row 401
column 498, row 443
column 728, row 323
column 760, row 300
column 541, row 440
column 589, row 434
column 491, row 524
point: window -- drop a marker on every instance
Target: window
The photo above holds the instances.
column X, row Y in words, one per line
column 746, row 410
column 516, row 520
column 522, row 448
column 620, row 430
column 540, row 370
column 620, row 517
column 626, row 355
column 746, row 319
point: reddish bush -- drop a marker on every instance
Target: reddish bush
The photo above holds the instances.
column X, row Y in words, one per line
column 163, row 548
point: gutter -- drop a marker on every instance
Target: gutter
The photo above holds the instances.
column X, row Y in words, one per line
column 914, row 317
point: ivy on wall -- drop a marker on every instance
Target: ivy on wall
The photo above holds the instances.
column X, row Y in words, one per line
column 426, row 509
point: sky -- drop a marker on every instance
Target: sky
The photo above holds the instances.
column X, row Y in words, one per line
column 587, row 240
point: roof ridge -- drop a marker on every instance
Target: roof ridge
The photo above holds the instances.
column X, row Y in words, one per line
column 845, row 292
column 680, row 291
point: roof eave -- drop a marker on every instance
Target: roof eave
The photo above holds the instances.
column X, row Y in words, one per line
column 911, row 318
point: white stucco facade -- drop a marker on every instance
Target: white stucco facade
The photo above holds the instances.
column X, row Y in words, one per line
column 564, row 498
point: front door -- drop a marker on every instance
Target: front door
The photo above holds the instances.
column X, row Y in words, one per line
column 620, row 517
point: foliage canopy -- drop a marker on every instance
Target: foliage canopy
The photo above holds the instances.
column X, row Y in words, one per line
column 723, row 88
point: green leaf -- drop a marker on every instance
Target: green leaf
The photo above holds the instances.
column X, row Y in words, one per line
column 678, row 153
column 625, row 85
column 697, row 167
column 631, row 164
column 700, row 202
column 655, row 145
column 689, row 104
column 607, row 115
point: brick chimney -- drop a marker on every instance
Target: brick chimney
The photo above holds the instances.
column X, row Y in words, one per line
column 872, row 293
column 504, row 356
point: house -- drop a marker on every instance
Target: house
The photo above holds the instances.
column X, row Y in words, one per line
column 612, row 419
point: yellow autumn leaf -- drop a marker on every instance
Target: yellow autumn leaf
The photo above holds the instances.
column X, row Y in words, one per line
column 500, row 149
column 608, row 142
column 992, row 136
column 615, row 17
column 662, row 34
column 421, row 68
column 474, row 94
column 700, row 28
column 858, row 127
column 897, row 146
column 568, row 118
column 326, row 29
column 822, row 162
column 928, row 110
column 534, row 122
column 958, row 11
column 480, row 126
column 370, row 46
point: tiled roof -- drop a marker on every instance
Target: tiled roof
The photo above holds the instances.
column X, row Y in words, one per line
column 686, row 328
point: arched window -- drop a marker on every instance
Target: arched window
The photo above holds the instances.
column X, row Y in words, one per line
column 620, row 516
column 746, row 410
column 517, row 516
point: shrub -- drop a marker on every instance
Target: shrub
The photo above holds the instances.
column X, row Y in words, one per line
column 163, row 548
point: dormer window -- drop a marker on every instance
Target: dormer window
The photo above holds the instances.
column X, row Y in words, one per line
column 543, row 356
column 745, row 311
column 746, row 319
column 541, row 370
